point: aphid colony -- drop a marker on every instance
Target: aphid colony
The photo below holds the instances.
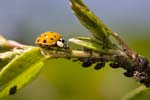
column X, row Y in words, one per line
column 87, row 62
column 139, row 68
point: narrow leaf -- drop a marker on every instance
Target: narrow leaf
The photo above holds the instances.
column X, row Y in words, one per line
column 6, row 57
column 141, row 93
column 90, row 20
column 21, row 80
column 19, row 64
column 89, row 43
column 20, row 71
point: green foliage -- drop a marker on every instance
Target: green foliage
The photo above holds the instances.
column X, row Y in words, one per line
column 141, row 93
column 6, row 57
column 101, row 33
column 89, row 43
column 90, row 21
column 20, row 71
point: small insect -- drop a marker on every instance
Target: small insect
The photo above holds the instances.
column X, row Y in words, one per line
column 13, row 90
column 87, row 62
column 128, row 74
column 51, row 39
column 114, row 65
column 99, row 65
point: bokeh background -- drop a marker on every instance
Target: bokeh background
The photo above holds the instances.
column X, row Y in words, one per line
column 60, row 79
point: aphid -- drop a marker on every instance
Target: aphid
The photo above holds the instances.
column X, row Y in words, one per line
column 114, row 65
column 87, row 62
column 13, row 90
column 51, row 39
column 128, row 73
column 99, row 65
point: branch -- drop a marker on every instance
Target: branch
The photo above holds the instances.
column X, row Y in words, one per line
column 136, row 65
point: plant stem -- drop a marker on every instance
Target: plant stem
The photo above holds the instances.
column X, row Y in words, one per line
column 130, row 51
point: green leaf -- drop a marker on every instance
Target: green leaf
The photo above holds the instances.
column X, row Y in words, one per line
column 6, row 57
column 20, row 71
column 89, row 43
column 141, row 93
column 87, row 18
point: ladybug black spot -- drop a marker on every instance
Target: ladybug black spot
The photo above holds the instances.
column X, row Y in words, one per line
column 38, row 40
column 51, row 38
column 54, row 35
column 13, row 90
column 44, row 41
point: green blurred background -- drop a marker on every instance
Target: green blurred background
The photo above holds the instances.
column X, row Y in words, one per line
column 60, row 79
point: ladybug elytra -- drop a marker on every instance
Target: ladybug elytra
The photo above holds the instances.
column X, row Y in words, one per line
column 51, row 39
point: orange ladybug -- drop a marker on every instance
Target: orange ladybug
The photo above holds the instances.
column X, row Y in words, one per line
column 51, row 39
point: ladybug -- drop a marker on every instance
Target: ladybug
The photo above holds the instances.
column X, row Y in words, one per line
column 51, row 39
